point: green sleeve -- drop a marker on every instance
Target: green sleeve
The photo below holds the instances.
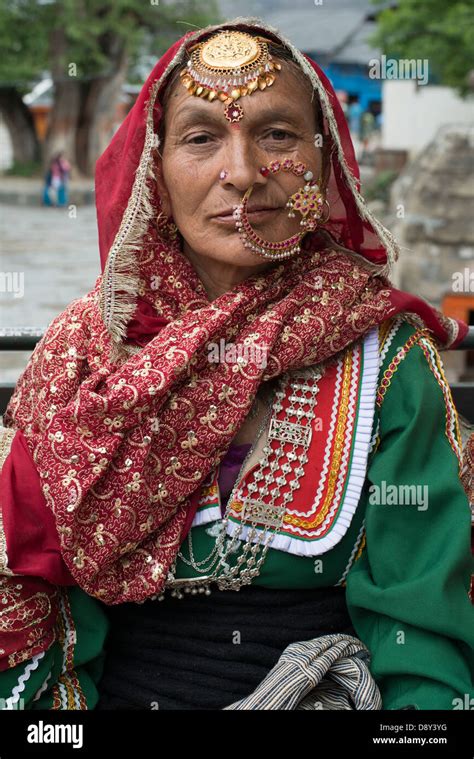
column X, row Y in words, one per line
column 72, row 666
column 407, row 594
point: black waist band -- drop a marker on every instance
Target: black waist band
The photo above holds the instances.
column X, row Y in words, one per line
column 204, row 652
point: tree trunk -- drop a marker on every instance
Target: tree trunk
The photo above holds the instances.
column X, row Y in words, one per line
column 20, row 124
column 97, row 119
column 63, row 121
column 83, row 117
column 64, row 115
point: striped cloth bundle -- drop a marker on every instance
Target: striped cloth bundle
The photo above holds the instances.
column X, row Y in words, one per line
column 330, row 672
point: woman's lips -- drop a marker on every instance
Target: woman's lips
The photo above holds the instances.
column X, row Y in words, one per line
column 253, row 216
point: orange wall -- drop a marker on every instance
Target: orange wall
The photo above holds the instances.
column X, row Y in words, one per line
column 458, row 306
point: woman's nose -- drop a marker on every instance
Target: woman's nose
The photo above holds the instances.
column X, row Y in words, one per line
column 243, row 165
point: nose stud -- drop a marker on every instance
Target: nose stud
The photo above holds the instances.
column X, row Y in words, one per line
column 224, row 173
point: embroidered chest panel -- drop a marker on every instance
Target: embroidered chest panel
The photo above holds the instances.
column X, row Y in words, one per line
column 304, row 490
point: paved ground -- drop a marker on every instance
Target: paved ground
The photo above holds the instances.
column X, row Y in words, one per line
column 59, row 259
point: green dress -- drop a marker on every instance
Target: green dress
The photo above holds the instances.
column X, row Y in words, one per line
column 404, row 559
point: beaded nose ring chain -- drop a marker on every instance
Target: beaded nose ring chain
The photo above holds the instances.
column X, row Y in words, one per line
column 308, row 200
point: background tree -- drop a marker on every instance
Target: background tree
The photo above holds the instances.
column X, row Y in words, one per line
column 24, row 56
column 89, row 47
column 441, row 31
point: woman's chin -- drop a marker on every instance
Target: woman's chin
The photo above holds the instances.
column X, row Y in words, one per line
column 226, row 246
column 236, row 254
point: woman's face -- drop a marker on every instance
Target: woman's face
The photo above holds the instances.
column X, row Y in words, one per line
column 200, row 142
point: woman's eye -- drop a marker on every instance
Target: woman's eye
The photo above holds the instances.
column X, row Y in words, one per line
column 281, row 135
column 197, row 139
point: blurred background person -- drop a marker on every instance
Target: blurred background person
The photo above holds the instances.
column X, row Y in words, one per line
column 55, row 191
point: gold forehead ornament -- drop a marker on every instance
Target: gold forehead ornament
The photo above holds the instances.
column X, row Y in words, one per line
column 227, row 66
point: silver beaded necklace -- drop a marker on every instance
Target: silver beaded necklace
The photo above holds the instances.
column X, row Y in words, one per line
column 256, row 513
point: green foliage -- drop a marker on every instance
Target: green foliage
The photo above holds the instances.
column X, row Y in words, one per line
column 89, row 32
column 24, row 49
column 441, row 31
column 25, row 169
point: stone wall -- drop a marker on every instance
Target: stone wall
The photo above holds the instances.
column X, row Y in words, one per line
column 432, row 217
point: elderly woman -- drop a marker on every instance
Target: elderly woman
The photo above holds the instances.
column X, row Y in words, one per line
column 243, row 403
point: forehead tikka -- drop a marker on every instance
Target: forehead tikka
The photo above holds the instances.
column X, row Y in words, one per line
column 227, row 66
